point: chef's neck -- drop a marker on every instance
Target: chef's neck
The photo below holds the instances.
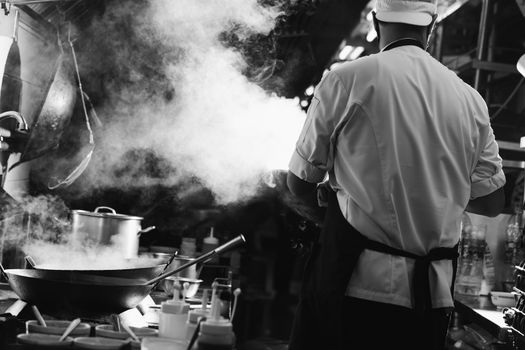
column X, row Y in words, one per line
column 390, row 32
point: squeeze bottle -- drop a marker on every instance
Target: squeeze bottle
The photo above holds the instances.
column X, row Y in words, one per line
column 216, row 332
column 173, row 315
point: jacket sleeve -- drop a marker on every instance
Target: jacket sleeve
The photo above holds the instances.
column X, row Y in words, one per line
column 313, row 155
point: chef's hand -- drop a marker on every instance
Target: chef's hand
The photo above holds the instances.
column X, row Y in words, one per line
column 4, row 133
column 13, row 141
column 322, row 194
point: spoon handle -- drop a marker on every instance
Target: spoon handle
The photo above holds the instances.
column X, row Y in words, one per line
column 70, row 328
column 130, row 332
column 38, row 316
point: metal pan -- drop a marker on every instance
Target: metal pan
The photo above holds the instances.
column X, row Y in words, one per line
column 145, row 273
column 157, row 267
column 84, row 295
column 55, row 112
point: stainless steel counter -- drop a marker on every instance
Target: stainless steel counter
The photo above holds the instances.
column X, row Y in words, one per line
column 482, row 312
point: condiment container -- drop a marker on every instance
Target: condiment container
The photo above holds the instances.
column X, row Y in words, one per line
column 209, row 243
column 188, row 246
column 108, row 331
column 37, row 340
column 173, row 315
column 99, row 343
column 195, row 315
column 193, row 319
column 159, row 343
column 57, row 327
column 216, row 334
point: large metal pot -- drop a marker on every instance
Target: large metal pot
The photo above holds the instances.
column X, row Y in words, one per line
column 108, row 228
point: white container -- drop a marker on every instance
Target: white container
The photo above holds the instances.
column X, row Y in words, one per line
column 193, row 319
column 503, row 299
column 157, row 343
column 188, row 246
column 172, row 319
column 217, row 333
column 209, row 243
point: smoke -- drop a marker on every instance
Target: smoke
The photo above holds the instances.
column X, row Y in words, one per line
column 185, row 96
column 75, row 256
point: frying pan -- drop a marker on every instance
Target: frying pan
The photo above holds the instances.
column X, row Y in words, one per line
column 85, row 295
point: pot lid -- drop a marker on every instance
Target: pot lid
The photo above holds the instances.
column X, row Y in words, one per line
column 111, row 214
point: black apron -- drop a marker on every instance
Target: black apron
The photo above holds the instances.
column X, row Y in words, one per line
column 328, row 270
column 317, row 323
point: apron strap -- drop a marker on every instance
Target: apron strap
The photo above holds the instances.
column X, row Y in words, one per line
column 421, row 278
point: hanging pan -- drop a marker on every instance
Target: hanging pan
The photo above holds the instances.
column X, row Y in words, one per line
column 11, row 82
column 55, row 112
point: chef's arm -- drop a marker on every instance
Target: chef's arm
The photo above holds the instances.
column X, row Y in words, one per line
column 303, row 190
column 490, row 205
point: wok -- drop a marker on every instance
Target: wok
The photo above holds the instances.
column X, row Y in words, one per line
column 139, row 272
column 85, row 295
column 146, row 272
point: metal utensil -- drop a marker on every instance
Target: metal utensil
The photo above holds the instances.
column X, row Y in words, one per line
column 130, row 332
column 79, row 169
column 31, row 262
column 38, row 316
column 70, row 328
column 115, row 320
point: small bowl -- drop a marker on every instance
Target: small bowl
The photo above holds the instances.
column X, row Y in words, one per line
column 107, row 331
column 57, row 327
column 149, row 343
column 503, row 299
column 168, row 283
column 99, row 343
column 44, row 340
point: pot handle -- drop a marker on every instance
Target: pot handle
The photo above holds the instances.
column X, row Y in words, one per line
column 97, row 209
column 147, row 229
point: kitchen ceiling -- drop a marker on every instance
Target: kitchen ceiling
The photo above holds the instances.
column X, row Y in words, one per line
column 308, row 37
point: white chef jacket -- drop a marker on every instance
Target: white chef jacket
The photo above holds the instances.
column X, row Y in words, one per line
column 406, row 144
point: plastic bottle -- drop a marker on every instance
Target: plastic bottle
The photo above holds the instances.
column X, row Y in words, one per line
column 194, row 315
column 209, row 243
column 173, row 315
column 513, row 249
column 216, row 332
column 470, row 264
column 188, row 246
column 489, row 272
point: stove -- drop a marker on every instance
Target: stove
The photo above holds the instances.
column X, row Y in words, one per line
column 14, row 313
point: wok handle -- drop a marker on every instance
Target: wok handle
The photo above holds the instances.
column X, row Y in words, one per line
column 232, row 244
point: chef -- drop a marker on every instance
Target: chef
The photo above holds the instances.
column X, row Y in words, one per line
column 406, row 147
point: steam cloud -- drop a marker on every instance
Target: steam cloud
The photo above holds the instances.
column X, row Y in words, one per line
column 219, row 127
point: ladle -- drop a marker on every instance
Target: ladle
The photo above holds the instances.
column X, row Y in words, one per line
column 70, row 328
